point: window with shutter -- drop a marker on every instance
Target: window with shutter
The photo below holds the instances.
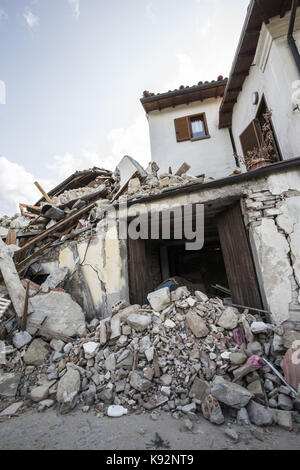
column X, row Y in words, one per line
column 182, row 129
column 251, row 138
column 193, row 127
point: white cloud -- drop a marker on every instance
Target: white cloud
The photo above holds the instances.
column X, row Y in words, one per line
column 130, row 140
column 17, row 185
column 64, row 165
column 205, row 27
column 75, row 7
column 3, row 15
column 31, row 19
column 186, row 72
column 149, row 11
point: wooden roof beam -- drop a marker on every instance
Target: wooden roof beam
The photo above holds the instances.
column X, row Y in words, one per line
column 230, row 101
column 235, row 90
column 283, row 8
column 248, row 53
column 249, row 32
column 262, row 12
column 242, row 73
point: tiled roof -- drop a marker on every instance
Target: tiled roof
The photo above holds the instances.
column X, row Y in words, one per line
column 184, row 94
column 147, row 94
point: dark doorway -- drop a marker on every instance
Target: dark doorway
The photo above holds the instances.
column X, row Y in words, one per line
column 224, row 261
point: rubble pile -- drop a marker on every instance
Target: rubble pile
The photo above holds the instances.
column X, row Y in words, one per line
column 183, row 352
column 78, row 203
column 186, row 354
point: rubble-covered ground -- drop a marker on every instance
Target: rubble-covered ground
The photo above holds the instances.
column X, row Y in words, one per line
column 187, row 355
column 182, row 357
column 51, row 431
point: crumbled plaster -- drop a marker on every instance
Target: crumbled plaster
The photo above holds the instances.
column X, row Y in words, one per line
column 289, row 222
column 278, row 183
column 295, row 252
column 272, row 250
column 102, row 267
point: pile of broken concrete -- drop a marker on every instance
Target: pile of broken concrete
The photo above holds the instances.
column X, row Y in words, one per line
column 183, row 353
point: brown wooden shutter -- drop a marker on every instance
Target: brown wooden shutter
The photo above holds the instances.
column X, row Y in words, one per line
column 251, row 138
column 138, row 271
column 182, row 129
column 238, row 260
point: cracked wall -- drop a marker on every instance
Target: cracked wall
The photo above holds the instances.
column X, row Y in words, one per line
column 271, row 209
column 100, row 269
column 273, row 219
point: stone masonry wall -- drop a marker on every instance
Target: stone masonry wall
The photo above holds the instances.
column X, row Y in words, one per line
column 273, row 221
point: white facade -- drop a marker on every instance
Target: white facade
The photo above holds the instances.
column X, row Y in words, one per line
column 273, row 75
column 212, row 156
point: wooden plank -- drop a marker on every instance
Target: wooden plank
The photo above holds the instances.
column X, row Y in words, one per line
column 137, row 271
column 48, row 332
column 12, row 281
column 238, row 260
column 43, row 192
column 34, row 255
column 53, row 229
column 24, row 319
column 11, row 238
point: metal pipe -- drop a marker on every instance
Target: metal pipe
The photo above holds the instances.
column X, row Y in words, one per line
column 290, row 37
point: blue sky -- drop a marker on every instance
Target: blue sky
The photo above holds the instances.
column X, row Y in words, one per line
column 75, row 70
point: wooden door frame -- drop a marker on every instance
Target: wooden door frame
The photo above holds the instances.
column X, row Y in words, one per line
column 238, row 283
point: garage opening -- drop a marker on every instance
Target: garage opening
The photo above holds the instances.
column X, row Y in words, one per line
column 224, row 261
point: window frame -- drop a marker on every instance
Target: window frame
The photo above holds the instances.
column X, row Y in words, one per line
column 186, row 128
column 193, row 116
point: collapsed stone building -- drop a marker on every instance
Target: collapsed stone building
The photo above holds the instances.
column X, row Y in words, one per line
column 249, row 262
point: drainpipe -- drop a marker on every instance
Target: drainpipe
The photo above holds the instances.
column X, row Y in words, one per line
column 290, row 37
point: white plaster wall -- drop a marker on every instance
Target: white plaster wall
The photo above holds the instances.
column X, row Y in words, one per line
column 278, row 183
column 213, row 156
column 104, row 267
column 275, row 82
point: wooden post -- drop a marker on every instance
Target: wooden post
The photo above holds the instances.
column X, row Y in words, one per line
column 11, row 238
column 43, row 192
column 24, row 319
column 12, row 281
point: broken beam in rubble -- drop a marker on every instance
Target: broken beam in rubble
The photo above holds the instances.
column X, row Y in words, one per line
column 34, row 255
column 48, row 332
column 251, row 308
column 12, row 281
column 24, row 319
column 53, row 229
column 43, row 192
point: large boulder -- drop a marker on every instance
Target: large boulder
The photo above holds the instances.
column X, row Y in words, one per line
column 63, row 314
column 68, row 384
column 39, row 393
column 36, row 353
column 196, row 324
column 138, row 322
column 125, row 312
column 200, row 389
column 259, row 414
column 159, row 299
column 139, row 382
column 125, row 360
column 231, row 394
column 9, row 383
column 56, row 278
column 21, row 338
column 228, row 319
